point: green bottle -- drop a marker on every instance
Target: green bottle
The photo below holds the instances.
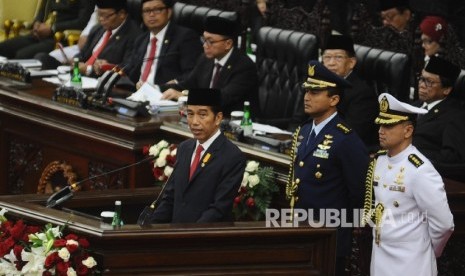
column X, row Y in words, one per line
column 248, row 42
column 117, row 215
column 246, row 123
column 76, row 80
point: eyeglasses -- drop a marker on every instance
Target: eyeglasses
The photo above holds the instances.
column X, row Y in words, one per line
column 105, row 16
column 429, row 83
column 211, row 42
column 154, row 10
column 337, row 58
column 389, row 16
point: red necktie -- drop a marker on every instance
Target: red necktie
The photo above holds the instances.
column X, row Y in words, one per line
column 97, row 52
column 216, row 76
column 196, row 161
column 149, row 63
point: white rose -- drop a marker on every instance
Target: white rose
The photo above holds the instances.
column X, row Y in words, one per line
column 71, row 272
column 89, row 262
column 160, row 162
column 164, row 152
column 162, row 144
column 71, row 242
column 244, row 179
column 168, row 170
column 64, row 254
column 252, row 166
column 154, row 151
column 253, row 180
column 173, row 153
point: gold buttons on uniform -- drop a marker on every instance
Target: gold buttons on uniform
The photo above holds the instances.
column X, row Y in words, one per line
column 318, row 175
column 318, row 165
column 301, row 163
column 297, row 180
column 396, row 203
column 389, row 166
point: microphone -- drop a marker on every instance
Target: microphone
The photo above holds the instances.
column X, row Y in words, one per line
column 68, row 192
column 109, row 78
column 146, row 214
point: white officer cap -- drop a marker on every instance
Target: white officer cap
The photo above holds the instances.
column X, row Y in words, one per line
column 392, row 111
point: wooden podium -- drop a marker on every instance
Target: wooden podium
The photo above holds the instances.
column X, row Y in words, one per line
column 240, row 248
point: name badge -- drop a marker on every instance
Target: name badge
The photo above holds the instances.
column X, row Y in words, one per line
column 320, row 153
column 397, row 188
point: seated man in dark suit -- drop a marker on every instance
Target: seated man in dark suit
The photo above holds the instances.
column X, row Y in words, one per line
column 108, row 44
column 53, row 16
column 209, row 168
column 221, row 66
column 175, row 48
column 440, row 134
column 359, row 105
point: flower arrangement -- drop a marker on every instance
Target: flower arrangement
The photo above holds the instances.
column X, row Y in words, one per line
column 255, row 193
column 164, row 155
column 25, row 250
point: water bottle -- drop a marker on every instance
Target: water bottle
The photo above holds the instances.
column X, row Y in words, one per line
column 76, row 80
column 248, row 42
column 246, row 123
column 116, row 222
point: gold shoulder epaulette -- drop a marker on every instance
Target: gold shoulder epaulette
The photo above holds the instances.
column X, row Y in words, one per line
column 344, row 128
column 415, row 160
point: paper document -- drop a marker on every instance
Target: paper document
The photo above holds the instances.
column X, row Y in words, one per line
column 265, row 128
column 87, row 83
column 152, row 94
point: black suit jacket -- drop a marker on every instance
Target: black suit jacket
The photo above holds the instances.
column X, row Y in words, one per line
column 118, row 49
column 359, row 108
column 209, row 195
column 238, row 80
column 440, row 134
column 180, row 50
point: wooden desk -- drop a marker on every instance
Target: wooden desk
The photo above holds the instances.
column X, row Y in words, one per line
column 242, row 248
column 34, row 131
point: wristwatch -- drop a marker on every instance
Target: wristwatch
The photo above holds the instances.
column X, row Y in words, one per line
column 89, row 70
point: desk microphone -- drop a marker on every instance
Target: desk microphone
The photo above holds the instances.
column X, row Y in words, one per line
column 68, row 192
column 145, row 217
column 109, row 78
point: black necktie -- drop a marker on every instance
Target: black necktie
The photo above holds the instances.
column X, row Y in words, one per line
column 216, row 75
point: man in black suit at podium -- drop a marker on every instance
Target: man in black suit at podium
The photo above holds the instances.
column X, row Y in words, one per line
column 209, row 168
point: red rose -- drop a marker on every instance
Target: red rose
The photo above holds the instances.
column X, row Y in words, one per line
column 84, row 243
column 51, row 260
column 237, row 199
column 62, row 268
column 71, row 237
column 146, row 149
column 157, row 172
column 82, row 269
column 17, row 230
column 170, row 160
column 250, row 202
column 59, row 243
column 47, row 273
column 72, row 247
column 243, row 190
column 17, row 251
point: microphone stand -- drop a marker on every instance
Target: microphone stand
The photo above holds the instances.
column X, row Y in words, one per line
column 146, row 214
column 68, row 192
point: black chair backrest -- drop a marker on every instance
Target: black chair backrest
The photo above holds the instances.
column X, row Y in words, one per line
column 134, row 8
column 193, row 16
column 282, row 58
column 459, row 88
column 386, row 71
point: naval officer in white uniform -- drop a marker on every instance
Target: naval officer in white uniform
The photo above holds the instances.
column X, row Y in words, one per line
column 411, row 214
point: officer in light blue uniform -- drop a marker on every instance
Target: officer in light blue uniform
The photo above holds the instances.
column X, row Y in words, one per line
column 331, row 161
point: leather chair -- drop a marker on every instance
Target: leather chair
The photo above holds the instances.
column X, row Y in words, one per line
column 282, row 58
column 386, row 71
column 193, row 16
column 459, row 88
